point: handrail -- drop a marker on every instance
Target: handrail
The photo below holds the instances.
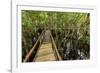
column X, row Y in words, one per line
column 55, row 49
column 30, row 52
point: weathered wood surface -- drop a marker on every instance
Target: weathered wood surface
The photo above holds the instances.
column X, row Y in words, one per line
column 45, row 53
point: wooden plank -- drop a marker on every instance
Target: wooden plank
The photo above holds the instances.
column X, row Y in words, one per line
column 45, row 53
column 48, row 57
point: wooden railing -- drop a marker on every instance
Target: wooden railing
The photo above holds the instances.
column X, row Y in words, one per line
column 57, row 55
column 33, row 48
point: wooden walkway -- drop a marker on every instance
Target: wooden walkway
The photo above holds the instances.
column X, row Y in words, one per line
column 45, row 53
column 47, row 50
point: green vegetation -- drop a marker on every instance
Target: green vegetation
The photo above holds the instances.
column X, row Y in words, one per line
column 70, row 31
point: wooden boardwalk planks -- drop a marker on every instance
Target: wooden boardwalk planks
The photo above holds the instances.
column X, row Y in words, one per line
column 45, row 53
